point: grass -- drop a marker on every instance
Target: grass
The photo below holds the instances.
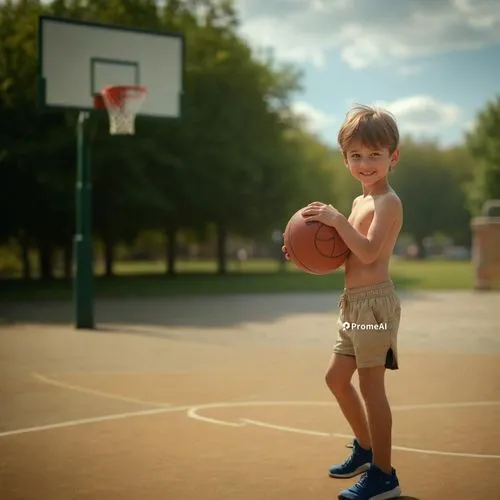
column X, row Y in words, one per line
column 192, row 267
column 147, row 279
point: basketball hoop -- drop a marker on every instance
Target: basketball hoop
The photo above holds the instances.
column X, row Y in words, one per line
column 123, row 103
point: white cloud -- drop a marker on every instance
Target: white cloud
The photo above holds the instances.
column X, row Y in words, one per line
column 369, row 33
column 286, row 42
column 409, row 70
column 316, row 120
column 421, row 114
column 470, row 125
column 417, row 115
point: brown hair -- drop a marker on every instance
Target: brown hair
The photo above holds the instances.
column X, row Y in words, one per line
column 373, row 127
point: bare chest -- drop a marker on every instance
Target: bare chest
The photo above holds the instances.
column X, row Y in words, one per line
column 362, row 215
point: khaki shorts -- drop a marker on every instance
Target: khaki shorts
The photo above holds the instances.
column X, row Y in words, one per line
column 368, row 325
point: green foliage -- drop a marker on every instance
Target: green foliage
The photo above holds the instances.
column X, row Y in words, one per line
column 144, row 279
column 223, row 163
column 430, row 183
column 483, row 142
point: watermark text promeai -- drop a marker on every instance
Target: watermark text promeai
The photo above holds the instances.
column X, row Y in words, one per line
column 361, row 326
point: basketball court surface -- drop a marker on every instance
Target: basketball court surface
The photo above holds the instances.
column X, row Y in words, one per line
column 224, row 398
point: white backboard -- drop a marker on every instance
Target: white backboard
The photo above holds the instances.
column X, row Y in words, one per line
column 77, row 59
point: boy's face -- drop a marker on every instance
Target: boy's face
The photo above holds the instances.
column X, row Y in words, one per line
column 369, row 165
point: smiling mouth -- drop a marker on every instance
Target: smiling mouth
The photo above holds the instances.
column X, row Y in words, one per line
column 367, row 174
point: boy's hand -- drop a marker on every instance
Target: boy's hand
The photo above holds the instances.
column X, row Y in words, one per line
column 283, row 249
column 320, row 212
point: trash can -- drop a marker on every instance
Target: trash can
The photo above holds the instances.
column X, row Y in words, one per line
column 486, row 247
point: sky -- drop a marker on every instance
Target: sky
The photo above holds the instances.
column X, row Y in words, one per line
column 433, row 63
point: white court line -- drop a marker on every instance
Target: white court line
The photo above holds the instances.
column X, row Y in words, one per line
column 92, row 420
column 443, row 406
column 444, row 453
column 288, row 429
column 193, row 413
column 157, row 411
column 193, row 409
column 93, row 392
column 346, row 436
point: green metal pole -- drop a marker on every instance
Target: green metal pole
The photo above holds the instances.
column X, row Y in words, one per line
column 83, row 300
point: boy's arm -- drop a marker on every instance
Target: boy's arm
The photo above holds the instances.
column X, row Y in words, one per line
column 367, row 248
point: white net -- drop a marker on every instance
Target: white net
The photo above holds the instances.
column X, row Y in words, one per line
column 123, row 104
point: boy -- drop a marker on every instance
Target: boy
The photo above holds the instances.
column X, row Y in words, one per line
column 369, row 307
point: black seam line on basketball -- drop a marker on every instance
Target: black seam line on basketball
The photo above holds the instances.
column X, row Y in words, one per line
column 316, row 242
column 333, row 249
column 316, row 239
column 323, row 254
column 331, row 256
column 295, row 255
column 345, row 252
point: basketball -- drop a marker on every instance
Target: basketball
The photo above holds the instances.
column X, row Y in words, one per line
column 314, row 247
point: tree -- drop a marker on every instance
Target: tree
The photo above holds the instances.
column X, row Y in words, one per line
column 234, row 145
column 460, row 167
column 432, row 194
column 483, row 142
column 34, row 149
column 238, row 163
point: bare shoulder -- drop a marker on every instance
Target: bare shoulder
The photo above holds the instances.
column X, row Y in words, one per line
column 390, row 204
column 355, row 201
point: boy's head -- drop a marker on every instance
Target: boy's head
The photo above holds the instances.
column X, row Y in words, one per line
column 369, row 141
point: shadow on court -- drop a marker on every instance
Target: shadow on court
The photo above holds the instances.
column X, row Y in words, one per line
column 202, row 311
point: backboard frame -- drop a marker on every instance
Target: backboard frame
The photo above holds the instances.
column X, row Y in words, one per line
column 97, row 59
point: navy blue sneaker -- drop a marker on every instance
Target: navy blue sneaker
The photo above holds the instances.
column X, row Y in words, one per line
column 357, row 463
column 373, row 485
